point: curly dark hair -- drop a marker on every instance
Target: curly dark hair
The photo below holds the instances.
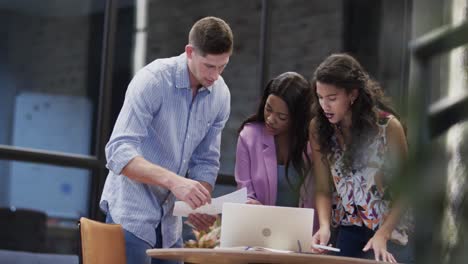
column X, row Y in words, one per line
column 296, row 92
column 345, row 72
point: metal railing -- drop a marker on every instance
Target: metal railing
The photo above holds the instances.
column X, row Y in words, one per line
column 427, row 122
column 439, row 117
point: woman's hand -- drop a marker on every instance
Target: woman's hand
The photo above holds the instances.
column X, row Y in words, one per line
column 252, row 201
column 378, row 243
column 321, row 237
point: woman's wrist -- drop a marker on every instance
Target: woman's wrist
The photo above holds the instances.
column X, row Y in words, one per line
column 383, row 232
column 324, row 227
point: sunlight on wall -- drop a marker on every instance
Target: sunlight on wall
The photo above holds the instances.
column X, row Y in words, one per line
column 139, row 44
column 455, row 138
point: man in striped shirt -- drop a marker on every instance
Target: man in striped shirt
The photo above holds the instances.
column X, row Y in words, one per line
column 169, row 126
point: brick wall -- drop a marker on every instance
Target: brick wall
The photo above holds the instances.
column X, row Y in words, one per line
column 48, row 54
column 302, row 34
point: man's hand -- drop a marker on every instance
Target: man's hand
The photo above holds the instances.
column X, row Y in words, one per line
column 190, row 191
column 201, row 222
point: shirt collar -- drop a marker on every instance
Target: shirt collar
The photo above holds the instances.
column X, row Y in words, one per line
column 182, row 79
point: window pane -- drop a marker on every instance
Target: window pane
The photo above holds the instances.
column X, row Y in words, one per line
column 49, row 81
column 60, row 192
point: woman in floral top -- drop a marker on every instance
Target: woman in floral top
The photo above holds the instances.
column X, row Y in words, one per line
column 357, row 141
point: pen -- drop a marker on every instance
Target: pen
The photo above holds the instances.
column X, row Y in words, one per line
column 327, row 248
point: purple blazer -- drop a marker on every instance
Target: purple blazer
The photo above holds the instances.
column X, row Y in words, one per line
column 256, row 168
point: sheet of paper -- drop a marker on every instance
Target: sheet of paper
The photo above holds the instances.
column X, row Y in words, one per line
column 216, row 207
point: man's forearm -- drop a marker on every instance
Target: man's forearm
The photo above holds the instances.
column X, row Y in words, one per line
column 141, row 170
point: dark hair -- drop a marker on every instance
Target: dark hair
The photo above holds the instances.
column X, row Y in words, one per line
column 344, row 72
column 211, row 35
column 296, row 92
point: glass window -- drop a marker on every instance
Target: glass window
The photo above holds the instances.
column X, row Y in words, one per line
column 50, row 70
column 49, row 86
column 60, row 192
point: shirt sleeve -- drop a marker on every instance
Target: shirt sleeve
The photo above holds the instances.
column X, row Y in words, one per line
column 204, row 163
column 242, row 171
column 133, row 121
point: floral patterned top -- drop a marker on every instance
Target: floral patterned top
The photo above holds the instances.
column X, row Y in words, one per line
column 360, row 196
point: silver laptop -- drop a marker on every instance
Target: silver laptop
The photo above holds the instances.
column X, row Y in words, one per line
column 283, row 228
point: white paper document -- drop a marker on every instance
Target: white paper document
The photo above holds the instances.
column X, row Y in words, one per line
column 216, row 207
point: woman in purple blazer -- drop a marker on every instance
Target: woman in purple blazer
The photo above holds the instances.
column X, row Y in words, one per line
column 272, row 158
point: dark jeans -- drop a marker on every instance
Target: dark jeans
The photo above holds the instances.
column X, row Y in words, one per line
column 352, row 239
column 135, row 248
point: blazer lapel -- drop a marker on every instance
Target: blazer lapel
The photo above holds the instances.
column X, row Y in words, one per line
column 269, row 157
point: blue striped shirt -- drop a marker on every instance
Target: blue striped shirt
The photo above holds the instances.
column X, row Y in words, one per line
column 160, row 122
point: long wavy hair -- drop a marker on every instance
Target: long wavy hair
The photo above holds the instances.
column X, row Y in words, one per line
column 296, row 92
column 345, row 72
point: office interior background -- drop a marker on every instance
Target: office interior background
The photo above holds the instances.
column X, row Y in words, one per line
column 65, row 66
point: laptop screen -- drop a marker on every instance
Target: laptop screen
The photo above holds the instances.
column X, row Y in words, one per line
column 283, row 228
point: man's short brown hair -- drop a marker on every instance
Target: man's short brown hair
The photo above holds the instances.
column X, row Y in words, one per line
column 211, row 35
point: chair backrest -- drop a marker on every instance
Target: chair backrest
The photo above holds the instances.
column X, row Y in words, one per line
column 101, row 243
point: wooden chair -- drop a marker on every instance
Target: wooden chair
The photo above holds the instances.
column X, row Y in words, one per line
column 101, row 243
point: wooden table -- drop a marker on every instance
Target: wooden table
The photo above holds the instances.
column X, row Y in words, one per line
column 229, row 256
